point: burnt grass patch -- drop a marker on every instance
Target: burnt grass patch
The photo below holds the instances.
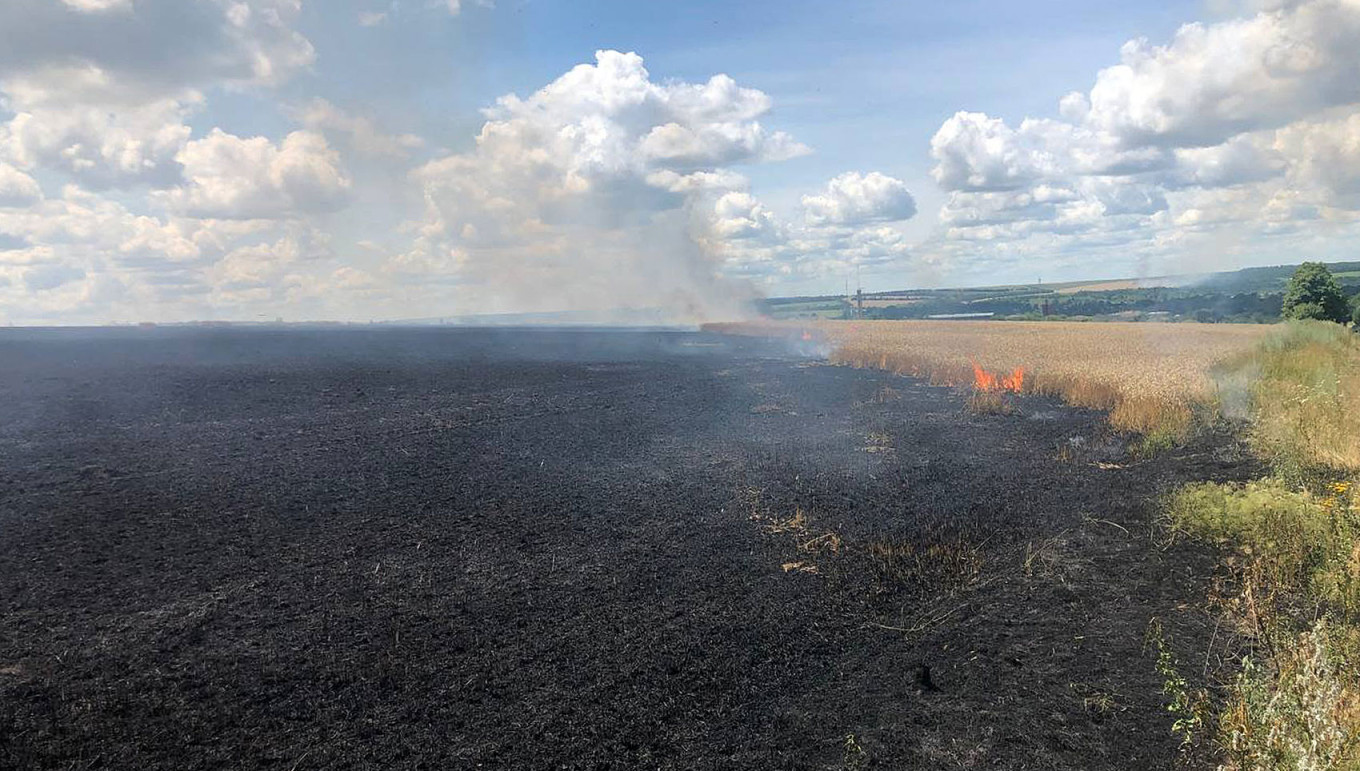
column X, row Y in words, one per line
column 445, row 548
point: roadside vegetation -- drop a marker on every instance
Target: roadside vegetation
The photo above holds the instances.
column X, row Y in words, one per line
column 1292, row 543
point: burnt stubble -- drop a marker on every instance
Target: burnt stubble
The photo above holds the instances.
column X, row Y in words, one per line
column 442, row 548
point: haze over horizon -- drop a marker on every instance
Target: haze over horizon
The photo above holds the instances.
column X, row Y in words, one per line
column 169, row 160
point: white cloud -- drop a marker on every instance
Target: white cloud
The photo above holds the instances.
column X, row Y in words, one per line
column 102, row 90
column 740, row 215
column 153, row 242
column 259, row 267
column 17, row 188
column 96, row 98
column 157, row 48
column 699, row 181
column 99, row 6
column 976, row 152
column 455, row 7
column 1243, row 159
column 61, row 121
column 1228, row 131
column 371, row 19
column 1325, row 159
column 601, row 185
column 81, row 256
column 234, row 178
column 860, row 199
column 1214, row 81
column 359, row 131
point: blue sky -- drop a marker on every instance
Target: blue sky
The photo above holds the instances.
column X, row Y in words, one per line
column 191, row 159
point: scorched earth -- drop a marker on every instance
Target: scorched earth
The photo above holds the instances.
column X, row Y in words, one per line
column 438, row 548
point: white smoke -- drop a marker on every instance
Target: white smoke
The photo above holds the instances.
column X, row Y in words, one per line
column 597, row 192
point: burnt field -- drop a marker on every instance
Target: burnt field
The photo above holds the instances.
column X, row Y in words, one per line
column 386, row 548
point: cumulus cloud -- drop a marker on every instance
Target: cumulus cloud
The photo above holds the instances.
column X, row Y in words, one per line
column 739, row 216
column 1214, row 81
column 1324, row 159
column 976, row 152
column 598, row 190
column 258, row 267
column 230, row 177
column 17, row 188
column 696, row 182
column 62, row 122
column 371, row 19
column 847, row 226
column 1238, row 124
column 101, row 90
column 96, row 99
column 860, row 199
column 1241, row 160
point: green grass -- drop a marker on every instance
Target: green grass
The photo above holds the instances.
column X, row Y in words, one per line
column 1297, row 542
column 1295, row 703
column 1294, row 551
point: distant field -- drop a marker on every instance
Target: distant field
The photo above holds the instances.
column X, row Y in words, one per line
column 889, row 302
column 1106, row 286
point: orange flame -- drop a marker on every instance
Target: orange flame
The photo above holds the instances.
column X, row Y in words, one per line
column 990, row 381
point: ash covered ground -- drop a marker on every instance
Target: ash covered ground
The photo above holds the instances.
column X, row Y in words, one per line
column 404, row 548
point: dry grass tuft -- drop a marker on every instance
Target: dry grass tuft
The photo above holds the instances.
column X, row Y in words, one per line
column 796, row 524
column 951, row 565
column 988, row 403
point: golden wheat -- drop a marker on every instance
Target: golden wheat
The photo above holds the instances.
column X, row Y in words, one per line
column 1150, row 377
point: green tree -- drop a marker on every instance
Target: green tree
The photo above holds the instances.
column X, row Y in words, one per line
column 1355, row 314
column 1314, row 294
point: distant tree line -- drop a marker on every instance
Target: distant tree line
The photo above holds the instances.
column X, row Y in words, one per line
column 1199, row 304
column 1249, row 295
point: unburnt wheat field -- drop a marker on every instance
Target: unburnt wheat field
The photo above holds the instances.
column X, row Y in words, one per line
column 1151, row 377
column 440, row 548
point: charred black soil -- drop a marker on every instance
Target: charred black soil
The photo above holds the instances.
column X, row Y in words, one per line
column 514, row 549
